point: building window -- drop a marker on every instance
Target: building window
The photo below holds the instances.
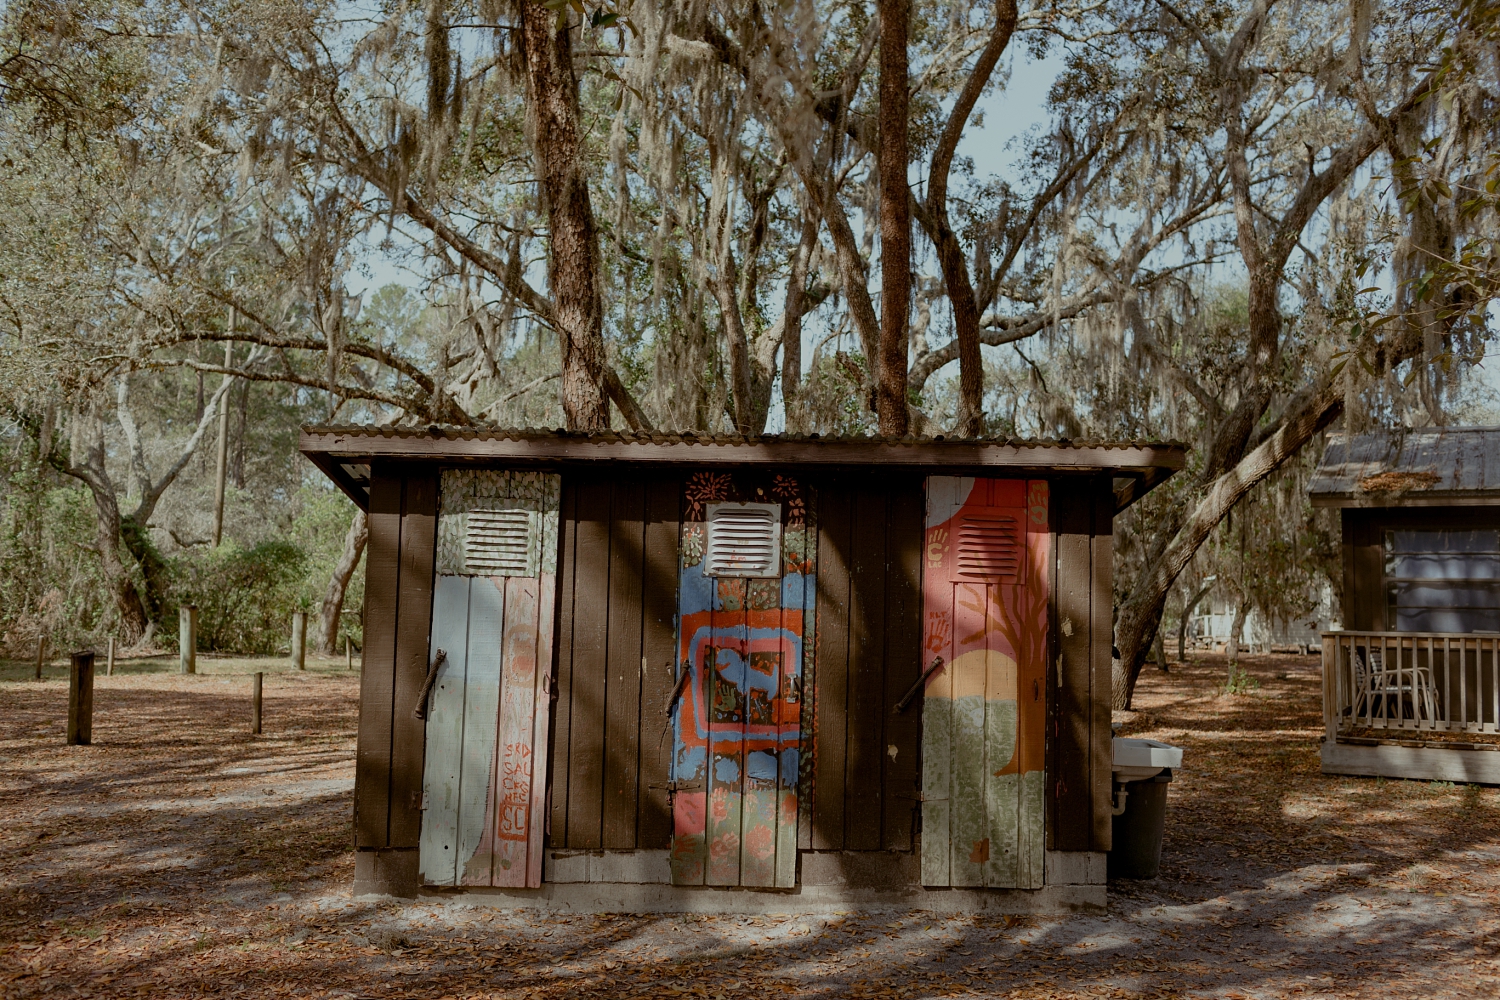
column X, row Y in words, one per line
column 1443, row 580
column 744, row 539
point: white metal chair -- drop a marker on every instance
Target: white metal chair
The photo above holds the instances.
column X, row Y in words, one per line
column 1377, row 689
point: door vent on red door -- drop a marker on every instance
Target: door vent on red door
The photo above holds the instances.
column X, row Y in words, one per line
column 991, row 546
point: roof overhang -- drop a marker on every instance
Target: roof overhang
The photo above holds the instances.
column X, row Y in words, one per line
column 345, row 454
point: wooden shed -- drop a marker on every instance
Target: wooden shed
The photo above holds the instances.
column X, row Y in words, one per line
column 1411, row 686
column 667, row 670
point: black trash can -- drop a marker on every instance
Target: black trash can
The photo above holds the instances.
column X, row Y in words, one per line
column 1138, row 830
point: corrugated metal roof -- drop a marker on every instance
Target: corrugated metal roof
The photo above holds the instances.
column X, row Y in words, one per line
column 1410, row 468
column 484, row 433
column 345, row 452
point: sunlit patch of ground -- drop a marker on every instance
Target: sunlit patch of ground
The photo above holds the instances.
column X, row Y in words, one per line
column 181, row 856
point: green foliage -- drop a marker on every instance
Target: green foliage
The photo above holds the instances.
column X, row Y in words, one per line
column 50, row 580
column 245, row 597
column 1240, row 682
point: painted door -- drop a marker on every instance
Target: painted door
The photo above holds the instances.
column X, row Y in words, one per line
column 984, row 600
column 483, row 788
column 746, row 595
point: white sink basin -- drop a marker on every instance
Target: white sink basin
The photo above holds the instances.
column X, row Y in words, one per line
column 1137, row 759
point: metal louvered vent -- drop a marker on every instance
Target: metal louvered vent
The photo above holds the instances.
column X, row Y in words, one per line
column 744, row 539
column 991, row 546
column 499, row 543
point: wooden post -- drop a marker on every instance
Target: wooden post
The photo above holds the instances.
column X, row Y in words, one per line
column 299, row 639
column 81, row 699
column 41, row 647
column 222, row 468
column 187, row 638
column 255, row 704
column 349, row 650
column 109, row 663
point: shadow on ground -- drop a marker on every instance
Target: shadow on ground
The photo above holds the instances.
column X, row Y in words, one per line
column 182, row 856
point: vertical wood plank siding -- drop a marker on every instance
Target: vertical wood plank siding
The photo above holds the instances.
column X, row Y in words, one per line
column 868, row 653
column 903, row 642
column 1101, row 633
column 388, row 762
column 622, row 721
column 590, row 628
column 615, row 641
column 414, row 608
column 560, row 760
column 1071, row 826
column 830, row 725
column 658, row 658
column 1081, row 742
column 372, row 772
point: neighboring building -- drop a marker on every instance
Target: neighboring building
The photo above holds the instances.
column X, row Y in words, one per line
column 1411, row 689
column 657, row 671
column 1214, row 620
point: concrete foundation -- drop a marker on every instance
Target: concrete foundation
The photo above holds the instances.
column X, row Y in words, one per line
column 831, row 881
column 391, row 872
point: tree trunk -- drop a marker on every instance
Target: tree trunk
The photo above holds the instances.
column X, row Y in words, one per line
column 726, row 284
column 791, row 338
column 128, row 605
column 154, row 572
column 552, row 105
column 950, row 254
column 1140, row 614
column 1236, row 633
column 895, row 221
column 338, row 584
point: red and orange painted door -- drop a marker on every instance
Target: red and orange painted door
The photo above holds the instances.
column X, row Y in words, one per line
column 483, row 788
column 742, row 637
column 985, row 585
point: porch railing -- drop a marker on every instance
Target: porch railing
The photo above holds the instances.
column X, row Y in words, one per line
column 1411, row 682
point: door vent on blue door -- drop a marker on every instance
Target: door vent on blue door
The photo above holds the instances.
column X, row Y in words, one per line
column 501, row 543
column 744, row 539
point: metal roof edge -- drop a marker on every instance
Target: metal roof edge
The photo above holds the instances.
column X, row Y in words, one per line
column 440, row 442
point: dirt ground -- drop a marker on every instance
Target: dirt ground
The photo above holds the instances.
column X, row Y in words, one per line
column 180, row 856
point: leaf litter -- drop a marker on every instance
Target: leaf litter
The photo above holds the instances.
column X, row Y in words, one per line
column 181, row 856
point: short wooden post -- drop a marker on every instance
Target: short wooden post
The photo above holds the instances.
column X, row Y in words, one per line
column 41, row 647
column 187, row 638
column 109, row 663
column 299, row 639
column 255, row 703
column 81, row 699
column 349, row 651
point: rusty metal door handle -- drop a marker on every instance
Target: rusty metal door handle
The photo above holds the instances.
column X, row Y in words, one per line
column 911, row 695
column 420, row 712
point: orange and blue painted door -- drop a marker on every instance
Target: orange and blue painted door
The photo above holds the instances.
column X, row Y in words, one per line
column 746, row 591
column 985, row 589
column 483, row 788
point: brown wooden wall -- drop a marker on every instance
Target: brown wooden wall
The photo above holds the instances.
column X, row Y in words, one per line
column 617, row 586
column 1080, row 744
column 398, row 617
column 868, row 653
column 617, row 593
